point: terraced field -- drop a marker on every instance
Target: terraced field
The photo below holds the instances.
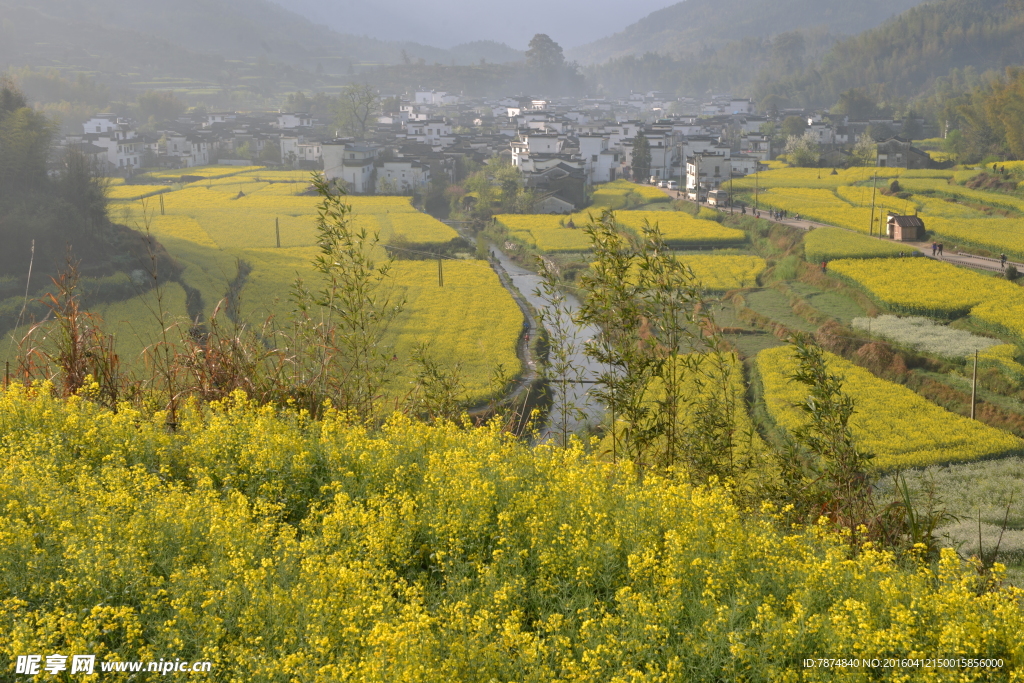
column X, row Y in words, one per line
column 899, row 427
column 233, row 215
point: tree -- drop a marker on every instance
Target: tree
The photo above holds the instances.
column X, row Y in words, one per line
column 856, row 104
column 802, row 150
column 911, row 127
column 544, row 54
column 159, row 106
column 350, row 363
column 298, row 102
column 641, row 157
column 794, row 125
column 25, row 137
column 954, row 144
column 356, row 106
column 864, row 151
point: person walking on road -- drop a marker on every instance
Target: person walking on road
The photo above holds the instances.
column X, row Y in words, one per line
column 935, row 247
column 1002, row 260
column 940, row 248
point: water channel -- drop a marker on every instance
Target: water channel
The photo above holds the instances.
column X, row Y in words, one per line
column 527, row 284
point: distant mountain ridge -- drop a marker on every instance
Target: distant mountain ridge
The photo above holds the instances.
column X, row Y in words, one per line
column 197, row 38
column 694, row 26
column 903, row 57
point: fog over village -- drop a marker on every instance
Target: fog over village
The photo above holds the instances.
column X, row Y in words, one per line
column 465, row 341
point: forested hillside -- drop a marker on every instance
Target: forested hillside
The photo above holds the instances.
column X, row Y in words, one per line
column 45, row 218
column 697, row 28
column 904, row 57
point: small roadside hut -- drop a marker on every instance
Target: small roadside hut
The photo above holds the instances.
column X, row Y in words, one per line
column 905, row 228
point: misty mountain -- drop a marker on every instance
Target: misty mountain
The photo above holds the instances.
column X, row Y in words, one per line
column 446, row 23
column 129, row 40
column 236, row 29
column 906, row 55
column 696, row 27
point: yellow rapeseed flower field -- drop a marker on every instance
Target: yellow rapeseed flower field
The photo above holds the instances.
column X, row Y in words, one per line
column 828, row 244
column 123, row 192
column 719, row 273
column 900, row 427
column 204, row 172
column 681, row 229
column 924, row 286
column 932, row 288
column 823, row 178
column 471, row 320
column 209, row 227
column 849, row 207
column 613, row 195
column 277, row 547
column 820, row 205
column 548, row 232
column 723, row 376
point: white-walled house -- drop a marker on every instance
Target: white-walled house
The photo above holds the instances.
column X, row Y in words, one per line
column 712, row 169
column 600, row 163
column 402, row 175
column 298, row 150
column 542, row 143
column 757, row 145
column 744, row 164
column 741, row 106
column 429, row 97
column 352, row 163
column 122, row 145
column 124, row 148
column 288, row 121
column 101, row 123
column 434, row 132
column 219, row 117
column 188, row 149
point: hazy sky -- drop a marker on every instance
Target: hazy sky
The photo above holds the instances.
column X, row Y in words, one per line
column 445, row 23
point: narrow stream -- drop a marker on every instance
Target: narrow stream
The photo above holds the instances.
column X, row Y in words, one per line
column 577, row 394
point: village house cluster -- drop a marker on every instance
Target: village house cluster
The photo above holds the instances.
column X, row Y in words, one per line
column 561, row 147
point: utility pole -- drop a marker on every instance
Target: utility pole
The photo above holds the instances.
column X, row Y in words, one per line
column 871, row 223
column 277, row 231
column 697, row 158
column 440, row 271
column 757, row 167
column 974, row 384
column 730, row 189
column 161, row 196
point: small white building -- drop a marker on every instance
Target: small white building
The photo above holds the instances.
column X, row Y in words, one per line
column 757, row 145
column 101, row 123
column 600, row 163
column 431, row 97
column 351, row 163
column 298, row 150
column 404, row 176
column 741, row 106
column 434, row 132
column 543, row 143
column 188, row 149
column 288, row 121
column 712, row 170
column 124, row 148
